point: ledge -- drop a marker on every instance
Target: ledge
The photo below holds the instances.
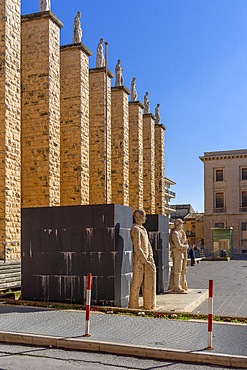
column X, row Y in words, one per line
column 47, row 14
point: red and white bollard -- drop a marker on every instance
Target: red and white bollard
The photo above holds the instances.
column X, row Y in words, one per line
column 88, row 302
column 210, row 314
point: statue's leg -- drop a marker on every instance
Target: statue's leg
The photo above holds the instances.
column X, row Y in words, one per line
column 171, row 281
column 138, row 272
column 184, row 271
column 149, row 287
column 177, row 274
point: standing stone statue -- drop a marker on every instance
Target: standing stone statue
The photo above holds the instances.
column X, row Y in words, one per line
column 146, row 104
column 77, row 35
column 157, row 114
column 144, row 270
column 179, row 246
column 119, row 74
column 100, row 59
column 44, row 5
column 133, row 92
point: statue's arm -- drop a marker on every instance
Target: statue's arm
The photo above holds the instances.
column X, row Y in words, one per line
column 177, row 244
column 136, row 240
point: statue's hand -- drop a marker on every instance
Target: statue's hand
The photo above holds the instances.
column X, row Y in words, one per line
column 151, row 264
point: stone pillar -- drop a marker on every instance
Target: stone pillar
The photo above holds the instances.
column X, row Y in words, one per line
column 74, row 125
column 159, row 130
column 148, row 164
column 100, row 136
column 40, row 110
column 120, row 145
column 136, row 155
column 10, row 129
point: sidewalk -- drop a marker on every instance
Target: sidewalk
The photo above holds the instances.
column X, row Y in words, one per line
column 129, row 335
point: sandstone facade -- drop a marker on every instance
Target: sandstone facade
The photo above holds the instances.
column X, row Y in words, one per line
column 74, row 125
column 67, row 137
column 10, row 130
column 40, row 110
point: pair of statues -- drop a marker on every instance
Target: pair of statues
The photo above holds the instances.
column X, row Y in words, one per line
column 144, row 269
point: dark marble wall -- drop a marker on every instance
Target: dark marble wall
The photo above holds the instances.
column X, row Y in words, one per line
column 61, row 245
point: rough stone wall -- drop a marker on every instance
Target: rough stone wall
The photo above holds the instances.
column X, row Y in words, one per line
column 120, row 145
column 135, row 155
column 40, row 110
column 148, row 164
column 99, row 136
column 10, row 129
column 74, row 125
column 159, row 169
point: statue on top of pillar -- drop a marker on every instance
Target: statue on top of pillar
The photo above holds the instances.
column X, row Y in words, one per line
column 157, row 114
column 44, row 5
column 119, row 74
column 100, row 59
column 133, row 92
column 146, row 104
column 77, row 35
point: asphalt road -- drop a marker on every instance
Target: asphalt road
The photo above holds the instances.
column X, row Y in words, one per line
column 14, row 357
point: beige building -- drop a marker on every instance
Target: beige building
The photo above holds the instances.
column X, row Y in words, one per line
column 225, row 193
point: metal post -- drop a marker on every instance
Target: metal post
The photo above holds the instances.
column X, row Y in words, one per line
column 210, row 314
column 88, row 303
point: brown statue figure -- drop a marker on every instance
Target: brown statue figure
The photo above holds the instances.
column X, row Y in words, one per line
column 144, row 270
column 179, row 246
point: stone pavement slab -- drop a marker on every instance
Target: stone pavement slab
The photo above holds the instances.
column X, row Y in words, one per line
column 230, row 286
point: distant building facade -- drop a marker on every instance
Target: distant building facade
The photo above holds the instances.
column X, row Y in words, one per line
column 225, row 200
column 168, row 196
column 194, row 228
column 181, row 211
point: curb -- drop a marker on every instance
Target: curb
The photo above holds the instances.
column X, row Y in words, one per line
column 124, row 349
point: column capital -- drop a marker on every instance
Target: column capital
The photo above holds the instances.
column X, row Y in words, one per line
column 100, row 70
column 160, row 125
column 139, row 103
column 79, row 46
column 39, row 15
column 121, row 88
column 149, row 115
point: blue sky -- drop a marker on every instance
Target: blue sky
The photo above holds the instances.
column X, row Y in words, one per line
column 190, row 55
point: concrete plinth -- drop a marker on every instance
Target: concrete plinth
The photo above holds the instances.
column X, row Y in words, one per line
column 60, row 245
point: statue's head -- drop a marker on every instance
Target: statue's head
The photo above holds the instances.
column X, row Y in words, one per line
column 119, row 61
column 101, row 40
column 140, row 216
column 178, row 223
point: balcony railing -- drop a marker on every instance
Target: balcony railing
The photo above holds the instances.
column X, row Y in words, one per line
column 171, row 193
column 242, row 209
column 219, row 210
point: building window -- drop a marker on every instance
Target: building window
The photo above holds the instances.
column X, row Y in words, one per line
column 244, row 173
column 244, row 226
column 219, row 200
column 244, row 198
column 219, row 225
column 219, row 175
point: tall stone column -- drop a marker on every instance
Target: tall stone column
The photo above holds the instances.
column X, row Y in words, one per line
column 74, row 125
column 120, row 145
column 100, row 136
column 40, row 110
column 10, row 129
column 136, row 155
column 148, row 163
column 159, row 130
